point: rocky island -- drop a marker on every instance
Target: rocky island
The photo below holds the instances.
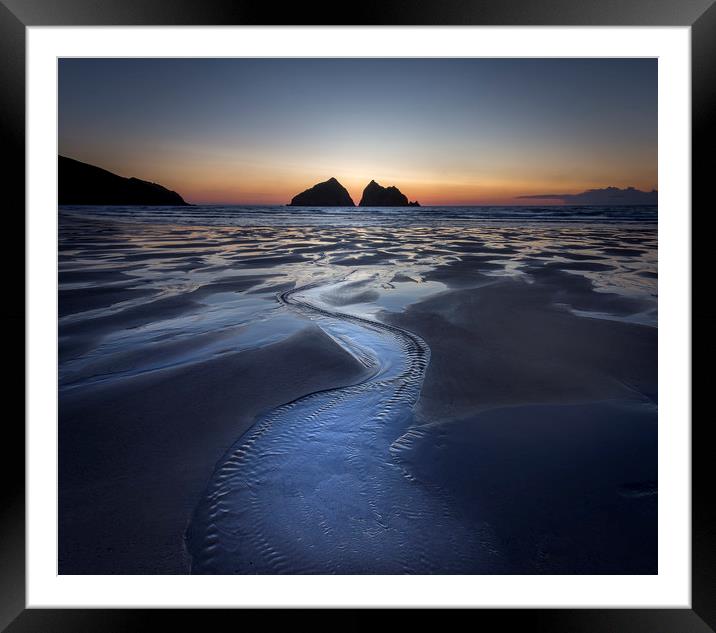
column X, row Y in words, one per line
column 80, row 183
column 330, row 193
column 374, row 195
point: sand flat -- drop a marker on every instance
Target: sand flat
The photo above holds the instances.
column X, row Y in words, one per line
column 531, row 442
column 136, row 453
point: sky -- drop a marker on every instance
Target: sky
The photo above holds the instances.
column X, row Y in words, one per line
column 444, row 131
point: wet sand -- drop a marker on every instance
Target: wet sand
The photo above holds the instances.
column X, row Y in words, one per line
column 135, row 454
column 508, row 341
column 536, row 423
column 539, row 423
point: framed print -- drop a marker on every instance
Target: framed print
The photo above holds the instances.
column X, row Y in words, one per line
column 393, row 314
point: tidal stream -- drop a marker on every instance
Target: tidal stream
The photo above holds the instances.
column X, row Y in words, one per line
column 317, row 484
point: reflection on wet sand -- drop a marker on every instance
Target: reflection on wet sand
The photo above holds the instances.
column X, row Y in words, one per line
column 543, row 352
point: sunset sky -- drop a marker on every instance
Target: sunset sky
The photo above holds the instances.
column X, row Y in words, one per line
column 445, row 131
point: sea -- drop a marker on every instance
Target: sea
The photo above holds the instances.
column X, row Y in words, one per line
column 217, row 215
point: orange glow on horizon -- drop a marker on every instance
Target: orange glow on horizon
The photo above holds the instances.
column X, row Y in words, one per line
column 427, row 193
column 226, row 180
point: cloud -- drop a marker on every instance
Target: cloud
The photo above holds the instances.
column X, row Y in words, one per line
column 607, row 196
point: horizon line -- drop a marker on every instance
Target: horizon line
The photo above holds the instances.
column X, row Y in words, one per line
column 536, row 197
column 422, row 206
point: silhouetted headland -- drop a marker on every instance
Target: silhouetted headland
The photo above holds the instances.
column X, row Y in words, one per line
column 606, row 196
column 80, row 183
column 374, row 195
column 330, row 193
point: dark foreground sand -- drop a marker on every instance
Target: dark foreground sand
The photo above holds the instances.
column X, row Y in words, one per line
column 136, row 454
column 538, row 414
column 540, row 423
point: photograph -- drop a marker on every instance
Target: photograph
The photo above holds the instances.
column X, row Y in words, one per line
column 346, row 314
column 357, row 315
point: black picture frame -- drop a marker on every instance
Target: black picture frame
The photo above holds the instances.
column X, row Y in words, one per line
column 17, row 15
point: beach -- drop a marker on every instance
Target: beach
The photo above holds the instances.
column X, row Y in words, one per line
column 362, row 391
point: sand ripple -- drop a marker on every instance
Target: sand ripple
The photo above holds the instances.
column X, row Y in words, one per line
column 315, row 485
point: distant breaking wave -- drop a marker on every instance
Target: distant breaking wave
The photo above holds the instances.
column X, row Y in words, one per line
column 369, row 216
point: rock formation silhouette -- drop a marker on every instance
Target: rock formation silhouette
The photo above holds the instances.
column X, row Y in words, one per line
column 330, row 193
column 80, row 183
column 374, row 195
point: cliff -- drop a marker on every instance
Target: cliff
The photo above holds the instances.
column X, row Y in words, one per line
column 80, row 183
